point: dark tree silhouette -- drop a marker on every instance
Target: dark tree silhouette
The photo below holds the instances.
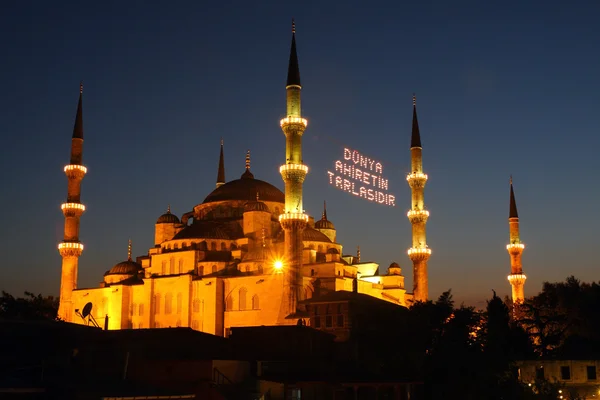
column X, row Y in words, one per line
column 30, row 307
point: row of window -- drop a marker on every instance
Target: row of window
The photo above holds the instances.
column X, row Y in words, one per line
column 565, row 373
column 317, row 321
column 214, row 246
column 168, row 303
column 242, row 304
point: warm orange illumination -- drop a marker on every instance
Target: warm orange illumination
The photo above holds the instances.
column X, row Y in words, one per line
column 72, row 167
column 517, row 278
column 293, row 120
column 70, row 245
column 77, row 206
column 419, row 250
column 515, row 246
column 293, row 216
column 278, row 264
column 293, row 167
column 416, row 175
column 417, row 213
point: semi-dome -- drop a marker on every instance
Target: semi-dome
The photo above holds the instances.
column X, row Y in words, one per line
column 246, row 189
column 324, row 224
column 125, row 268
column 256, row 206
column 168, row 218
column 313, row 235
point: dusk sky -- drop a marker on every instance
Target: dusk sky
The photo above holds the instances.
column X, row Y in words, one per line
column 502, row 88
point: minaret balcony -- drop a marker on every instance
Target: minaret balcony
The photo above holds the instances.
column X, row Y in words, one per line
column 515, row 248
column 419, row 253
column 517, row 279
column 70, row 249
column 416, row 216
column 293, row 121
column 72, row 209
column 75, row 170
column 416, row 179
column 293, row 171
column 293, row 220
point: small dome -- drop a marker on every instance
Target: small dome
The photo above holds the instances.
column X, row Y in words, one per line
column 125, row 268
column 394, row 265
column 313, row 235
column 256, row 206
column 324, row 224
column 168, row 218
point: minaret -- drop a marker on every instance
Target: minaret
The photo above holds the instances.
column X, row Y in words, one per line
column 419, row 253
column 293, row 220
column 70, row 248
column 515, row 249
column 221, row 172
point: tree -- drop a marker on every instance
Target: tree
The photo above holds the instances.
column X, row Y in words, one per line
column 30, row 307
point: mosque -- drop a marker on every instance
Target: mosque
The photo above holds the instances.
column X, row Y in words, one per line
column 248, row 255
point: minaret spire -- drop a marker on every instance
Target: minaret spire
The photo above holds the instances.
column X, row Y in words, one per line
column 293, row 77
column 415, row 137
column 221, row 172
column 419, row 253
column 71, row 248
column 129, row 250
column 324, row 217
column 515, row 250
column 293, row 220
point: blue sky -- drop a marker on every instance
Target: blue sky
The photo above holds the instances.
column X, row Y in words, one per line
column 502, row 88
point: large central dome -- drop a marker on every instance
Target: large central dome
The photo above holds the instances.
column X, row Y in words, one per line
column 246, row 189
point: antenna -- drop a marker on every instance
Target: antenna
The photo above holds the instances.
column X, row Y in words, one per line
column 86, row 315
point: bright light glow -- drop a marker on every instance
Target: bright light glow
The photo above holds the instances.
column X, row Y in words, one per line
column 77, row 206
column 293, row 167
column 417, row 213
column 516, row 278
column 278, row 265
column 419, row 250
column 72, row 167
column 70, row 245
column 515, row 246
column 416, row 175
column 293, row 120
column 293, row 216
column 362, row 176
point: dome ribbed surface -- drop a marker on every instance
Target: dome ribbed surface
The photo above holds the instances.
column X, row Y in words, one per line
column 324, row 224
column 313, row 235
column 125, row 268
column 256, row 206
column 246, row 189
column 167, row 218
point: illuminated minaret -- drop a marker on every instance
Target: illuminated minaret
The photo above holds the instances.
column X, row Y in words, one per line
column 221, row 172
column 293, row 220
column 515, row 249
column 419, row 253
column 70, row 248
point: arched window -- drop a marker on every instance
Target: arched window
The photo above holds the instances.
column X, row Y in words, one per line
column 200, row 270
column 157, row 303
column 196, row 305
column 213, row 246
column 255, row 302
column 312, row 272
column 172, row 266
column 243, row 292
column 214, row 269
column 141, row 310
column 179, row 302
column 169, row 303
column 260, row 268
column 133, row 308
column 163, row 270
column 180, row 269
column 223, row 246
column 229, row 303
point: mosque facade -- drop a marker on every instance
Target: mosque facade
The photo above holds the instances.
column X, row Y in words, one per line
column 248, row 255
